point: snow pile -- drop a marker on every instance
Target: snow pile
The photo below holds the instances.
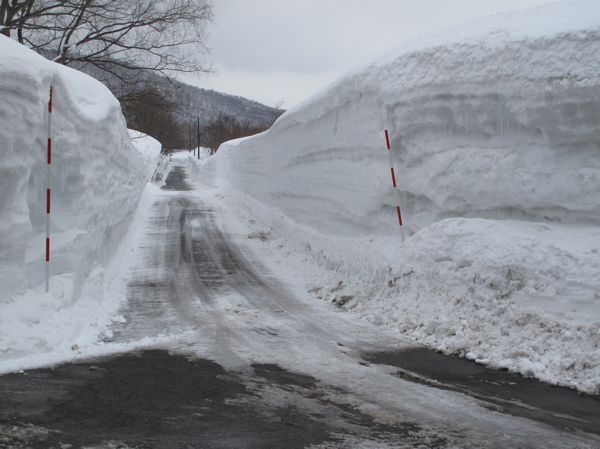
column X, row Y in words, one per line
column 156, row 165
column 496, row 135
column 205, row 152
column 200, row 153
column 195, row 163
column 513, row 294
column 148, row 147
column 97, row 180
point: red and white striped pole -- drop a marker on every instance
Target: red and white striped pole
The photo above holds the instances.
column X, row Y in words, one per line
column 49, row 156
column 394, row 183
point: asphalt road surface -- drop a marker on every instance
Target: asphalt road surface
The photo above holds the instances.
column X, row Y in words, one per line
column 247, row 363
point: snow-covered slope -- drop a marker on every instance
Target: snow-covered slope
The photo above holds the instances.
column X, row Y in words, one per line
column 499, row 120
column 97, row 179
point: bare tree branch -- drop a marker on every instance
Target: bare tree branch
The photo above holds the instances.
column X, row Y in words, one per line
column 164, row 36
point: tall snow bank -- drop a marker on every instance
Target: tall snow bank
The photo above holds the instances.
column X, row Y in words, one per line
column 496, row 120
column 150, row 149
column 496, row 134
column 97, row 180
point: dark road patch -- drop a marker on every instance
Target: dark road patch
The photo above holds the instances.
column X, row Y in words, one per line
column 506, row 392
column 176, row 180
column 148, row 400
column 153, row 399
column 281, row 376
column 402, row 431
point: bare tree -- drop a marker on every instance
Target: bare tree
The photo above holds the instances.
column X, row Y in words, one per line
column 226, row 127
column 148, row 110
column 161, row 36
column 13, row 13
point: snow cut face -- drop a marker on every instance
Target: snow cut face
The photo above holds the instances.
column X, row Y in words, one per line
column 484, row 123
column 96, row 181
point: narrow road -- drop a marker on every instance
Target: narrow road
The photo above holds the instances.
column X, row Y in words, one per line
column 245, row 362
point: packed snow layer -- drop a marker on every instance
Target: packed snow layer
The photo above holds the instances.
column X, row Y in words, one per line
column 497, row 125
column 495, row 121
column 96, row 178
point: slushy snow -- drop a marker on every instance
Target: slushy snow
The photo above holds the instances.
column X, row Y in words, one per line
column 97, row 180
column 496, row 135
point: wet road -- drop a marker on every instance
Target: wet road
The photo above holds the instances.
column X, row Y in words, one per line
column 252, row 365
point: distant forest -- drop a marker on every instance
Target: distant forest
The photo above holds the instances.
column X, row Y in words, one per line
column 169, row 110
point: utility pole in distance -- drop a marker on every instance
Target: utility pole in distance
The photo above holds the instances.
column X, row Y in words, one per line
column 198, row 123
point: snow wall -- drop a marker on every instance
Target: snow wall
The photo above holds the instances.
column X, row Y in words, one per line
column 498, row 120
column 97, row 179
column 496, row 135
column 150, row 149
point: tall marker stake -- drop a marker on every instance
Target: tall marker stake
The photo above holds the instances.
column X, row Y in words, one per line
column 393, row 173
column 48, row 191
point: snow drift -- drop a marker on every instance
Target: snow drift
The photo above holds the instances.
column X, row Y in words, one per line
column 496, row 121
column 97, row 180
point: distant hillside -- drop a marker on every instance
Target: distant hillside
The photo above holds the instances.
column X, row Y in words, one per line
column 209, row 104
column 168, row 109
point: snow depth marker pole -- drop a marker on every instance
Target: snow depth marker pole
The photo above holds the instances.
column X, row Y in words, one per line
column 49, row 158
column 393, row 173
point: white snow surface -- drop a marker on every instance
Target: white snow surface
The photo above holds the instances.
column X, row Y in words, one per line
column 97, row 179
column 205, row 152
column 149, row 148
column 496, row 136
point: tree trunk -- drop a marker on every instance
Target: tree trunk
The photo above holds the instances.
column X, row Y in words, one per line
column 5, row 17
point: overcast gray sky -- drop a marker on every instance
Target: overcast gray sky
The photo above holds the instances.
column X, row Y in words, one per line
column 284, row 50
